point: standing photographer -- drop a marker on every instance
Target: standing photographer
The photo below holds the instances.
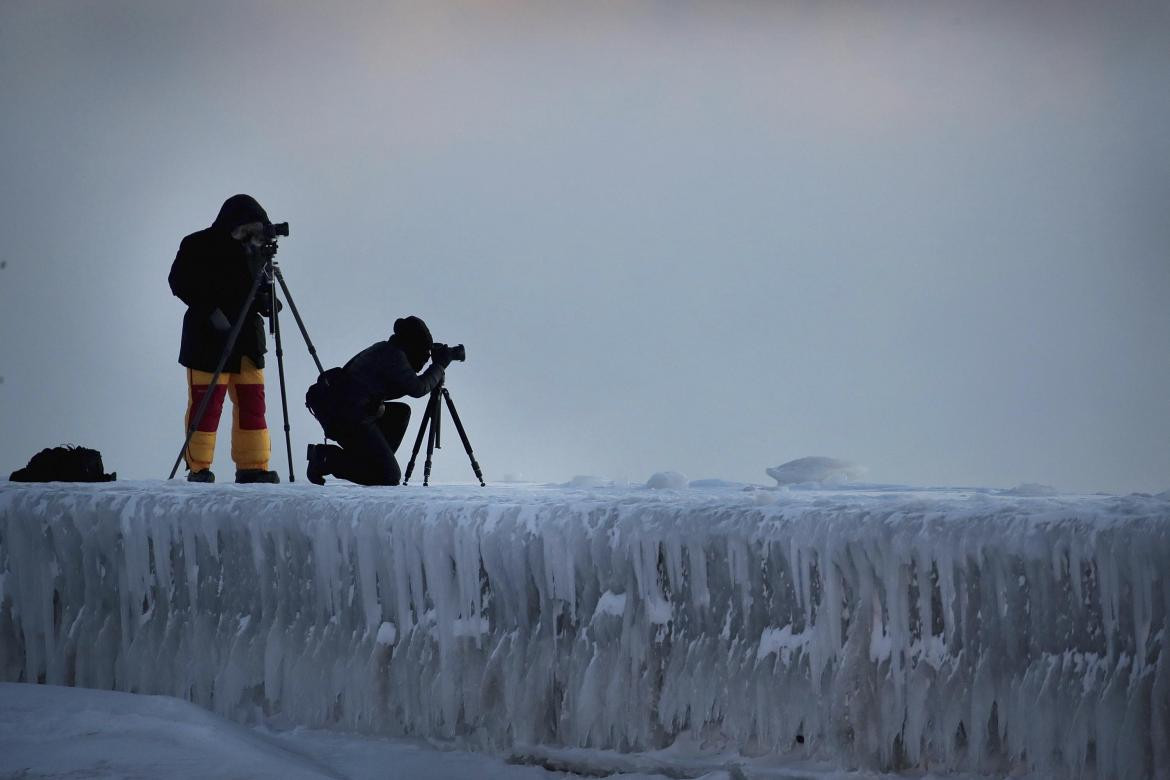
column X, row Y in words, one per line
column 213, row 274
column 350, row 403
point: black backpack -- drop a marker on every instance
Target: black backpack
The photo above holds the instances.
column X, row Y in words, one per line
column 64, row 464
column 335, row 399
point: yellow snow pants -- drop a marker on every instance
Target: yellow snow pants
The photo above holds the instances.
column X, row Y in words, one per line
column 251, row 445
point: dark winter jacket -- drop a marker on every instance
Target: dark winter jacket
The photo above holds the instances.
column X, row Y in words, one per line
column 214, row 271
column 382, row 371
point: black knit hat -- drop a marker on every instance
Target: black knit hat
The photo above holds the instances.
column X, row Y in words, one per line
column 413, row 332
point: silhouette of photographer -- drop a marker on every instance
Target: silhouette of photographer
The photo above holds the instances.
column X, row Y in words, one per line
column 213, row 274
column 352, row 403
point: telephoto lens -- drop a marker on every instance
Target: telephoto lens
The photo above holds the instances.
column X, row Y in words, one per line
column 272, row 231
column 456, row 352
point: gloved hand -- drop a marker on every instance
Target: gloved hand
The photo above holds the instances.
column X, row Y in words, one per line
column 441, row 355
column 219, row 321
column 263, row 305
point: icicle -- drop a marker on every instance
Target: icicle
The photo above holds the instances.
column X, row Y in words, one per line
column 938, row 630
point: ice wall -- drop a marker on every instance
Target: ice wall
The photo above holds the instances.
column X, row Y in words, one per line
column 947, row 630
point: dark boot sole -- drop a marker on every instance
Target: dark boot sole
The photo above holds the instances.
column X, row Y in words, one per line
column 311, row 474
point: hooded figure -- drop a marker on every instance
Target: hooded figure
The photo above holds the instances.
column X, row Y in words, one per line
column 367, row 428
column 212, row 274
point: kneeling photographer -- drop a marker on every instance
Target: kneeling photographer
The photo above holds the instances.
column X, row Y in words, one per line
column 351, row 404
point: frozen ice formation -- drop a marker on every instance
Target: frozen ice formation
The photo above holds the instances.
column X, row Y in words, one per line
column 815, row 469
column 1032, row 489
column 891, row 629
column 667, row 480
column 716, row 483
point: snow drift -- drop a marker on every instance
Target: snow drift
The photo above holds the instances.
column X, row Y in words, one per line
column 49, row 732
column 944, row 629
column 815, row 469
column 666, row 480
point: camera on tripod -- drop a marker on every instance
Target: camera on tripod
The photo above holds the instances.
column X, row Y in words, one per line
column 457, row 352
column 272, row 231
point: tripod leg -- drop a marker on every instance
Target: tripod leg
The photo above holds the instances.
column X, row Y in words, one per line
column 422, row 429
column 275, row 323
column 227, row 350
column 436, row 411
column 463, row 435
column 297, row 316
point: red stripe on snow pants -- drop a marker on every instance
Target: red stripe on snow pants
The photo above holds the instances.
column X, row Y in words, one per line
column 251, row 445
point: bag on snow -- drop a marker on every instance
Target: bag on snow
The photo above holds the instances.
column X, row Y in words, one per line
column 64, row 464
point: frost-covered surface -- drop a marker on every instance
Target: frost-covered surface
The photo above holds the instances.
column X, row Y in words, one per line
column 955, row 630
column 1032, row 489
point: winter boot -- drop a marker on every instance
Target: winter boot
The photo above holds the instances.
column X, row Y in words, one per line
column 318, row 464
column 203, row 475
column 249, row 476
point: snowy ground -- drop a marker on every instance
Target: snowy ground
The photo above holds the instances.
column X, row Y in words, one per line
column 608, row 628
column 54, row 732
column 50, row 732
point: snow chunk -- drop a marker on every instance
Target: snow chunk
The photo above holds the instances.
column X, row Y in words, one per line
column 667, row 480
column 763, row 497
column 610, row 603
column 815, row 469
column 387, row 634
column 659, row 611
column 780, row 641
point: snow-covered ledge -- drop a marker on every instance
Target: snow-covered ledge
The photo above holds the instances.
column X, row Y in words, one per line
column 884, row 628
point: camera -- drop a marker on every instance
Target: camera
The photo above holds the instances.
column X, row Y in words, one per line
column 272, row 231
column 457, row 351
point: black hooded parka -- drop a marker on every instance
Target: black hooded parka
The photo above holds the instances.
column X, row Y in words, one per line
column 213, row 271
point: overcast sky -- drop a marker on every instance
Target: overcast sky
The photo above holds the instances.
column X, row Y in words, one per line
column 929, row 237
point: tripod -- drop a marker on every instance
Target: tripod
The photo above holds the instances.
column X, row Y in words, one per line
column 268, row 273
column 432, row 419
